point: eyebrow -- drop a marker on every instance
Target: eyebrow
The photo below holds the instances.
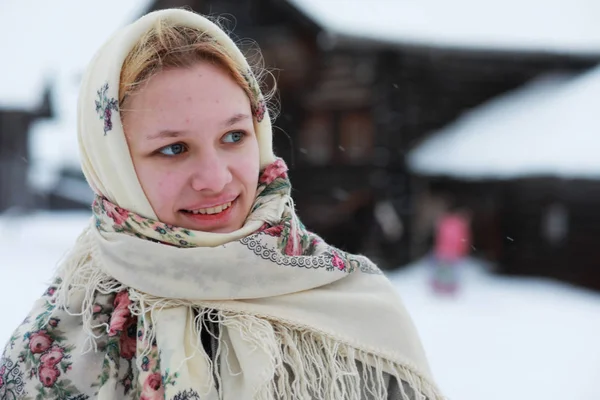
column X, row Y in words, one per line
column 164, row 134
column 235, row 119
column 167, row 133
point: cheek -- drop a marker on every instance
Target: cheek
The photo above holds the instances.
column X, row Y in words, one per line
column 160, row 187
column 247, row 168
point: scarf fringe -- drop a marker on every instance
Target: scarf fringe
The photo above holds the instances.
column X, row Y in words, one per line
column 302, row 363
column 80, row 282
column 314, row 365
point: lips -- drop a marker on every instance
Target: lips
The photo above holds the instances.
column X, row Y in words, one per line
column 211, row 210
column 210, row 206
column 210, row 219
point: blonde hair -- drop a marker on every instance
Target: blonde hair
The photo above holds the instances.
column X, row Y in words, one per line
column 167, row 45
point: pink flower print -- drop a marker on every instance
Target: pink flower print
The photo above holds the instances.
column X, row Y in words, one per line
column 107, row 119
column 277, row 169
column 104, row 107
column 97, row 308
column 117, row 214
column 337, row 262
column 153, row 388
column 259, row 110
column 39, row 342
column 1, row 382
column 274, row 230
column 2, row 372
column 138, row 218
column 120, row 314
column 127, row 383
column 128, row 339
column 292, row 248
column 53, row 356
column 48, row 375
column 50, row 292
column 121, row 300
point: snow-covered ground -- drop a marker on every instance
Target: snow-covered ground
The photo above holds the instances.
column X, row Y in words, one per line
column 507, row 338
column 501, row 338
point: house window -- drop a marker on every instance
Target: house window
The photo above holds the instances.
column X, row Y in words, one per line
column 356, row 136
column 555, row 223
column 316, row 138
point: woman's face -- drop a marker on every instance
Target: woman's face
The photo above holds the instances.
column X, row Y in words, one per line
column 191, row 137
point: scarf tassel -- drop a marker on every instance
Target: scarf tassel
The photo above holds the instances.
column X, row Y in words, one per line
column 303, row 363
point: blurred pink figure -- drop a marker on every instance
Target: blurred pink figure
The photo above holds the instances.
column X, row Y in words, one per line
column 452, row 244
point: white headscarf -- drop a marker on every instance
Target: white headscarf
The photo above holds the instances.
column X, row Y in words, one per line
column 106, row 162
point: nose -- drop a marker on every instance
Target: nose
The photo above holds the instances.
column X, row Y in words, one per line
column 210, row 172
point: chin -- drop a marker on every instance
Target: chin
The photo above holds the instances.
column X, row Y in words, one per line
column 225, row 229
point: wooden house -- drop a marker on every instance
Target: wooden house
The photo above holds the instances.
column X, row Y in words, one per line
column 352, row 107
column 15, row 192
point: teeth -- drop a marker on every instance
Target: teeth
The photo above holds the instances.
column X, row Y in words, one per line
column 212, row 210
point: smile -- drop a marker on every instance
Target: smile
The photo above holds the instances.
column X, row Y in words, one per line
column 211, row 210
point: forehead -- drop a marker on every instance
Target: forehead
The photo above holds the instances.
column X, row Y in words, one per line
column 202, row 92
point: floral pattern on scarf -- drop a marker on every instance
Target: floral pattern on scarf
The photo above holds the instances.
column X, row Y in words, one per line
column 112, row 218
column 45, row 357
column 294, row 239
column 258, row 104
column 105, row 106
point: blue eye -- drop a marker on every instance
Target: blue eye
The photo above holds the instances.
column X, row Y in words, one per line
column 172, row 150
column 233, row 137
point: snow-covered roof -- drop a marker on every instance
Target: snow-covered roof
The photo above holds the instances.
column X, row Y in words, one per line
column 514, row 25
column 43, row 38
column 550, row 127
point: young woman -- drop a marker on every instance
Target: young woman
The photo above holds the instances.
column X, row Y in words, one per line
column 195, row 279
